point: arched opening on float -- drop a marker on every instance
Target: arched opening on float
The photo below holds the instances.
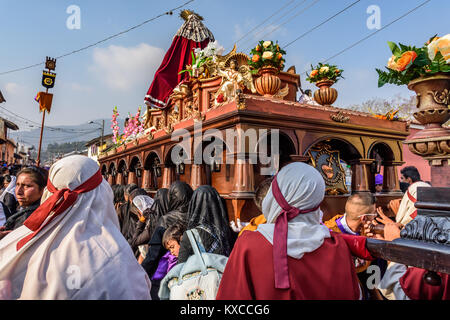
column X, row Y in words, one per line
column 274, row 151
column 122, row 172
column 174, row 166
column 112, row 173
column 152, row 172
column 384, row 175
column 135, row 172
column 336, row 160
column 105, row 171
column 209, row 164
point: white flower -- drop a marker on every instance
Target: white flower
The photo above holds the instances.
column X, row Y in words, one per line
column 324, row 69
column 441, row 44
column 267, row 55
column 267, row 43
column 197, row 51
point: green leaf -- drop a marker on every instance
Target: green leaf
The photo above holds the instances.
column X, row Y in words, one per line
column 404, row 48
column 394, row 48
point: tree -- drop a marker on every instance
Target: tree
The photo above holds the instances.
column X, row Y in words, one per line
column 405, row 106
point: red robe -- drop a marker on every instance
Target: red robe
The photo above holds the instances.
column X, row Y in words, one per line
column 415, row 287
column 328, row 273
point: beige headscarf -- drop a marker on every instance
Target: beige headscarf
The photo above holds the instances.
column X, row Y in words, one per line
column 80, row 254
column 407, row 207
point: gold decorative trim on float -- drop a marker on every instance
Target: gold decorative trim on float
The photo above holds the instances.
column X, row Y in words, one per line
column 339, row 117
column 328, row 163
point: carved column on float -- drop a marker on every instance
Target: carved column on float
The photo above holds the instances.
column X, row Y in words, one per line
column 111, row 180
column 168, row 175
column 390, row 176
column 146, row 179
column 119, row 178
column 132, row 177
column 244, row 177
column 361, row 174
column 198, row 177
column 244, row 184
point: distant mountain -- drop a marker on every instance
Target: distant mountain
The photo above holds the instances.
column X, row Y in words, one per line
column 61, row 134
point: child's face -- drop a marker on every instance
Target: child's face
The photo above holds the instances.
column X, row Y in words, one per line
column 173, row 246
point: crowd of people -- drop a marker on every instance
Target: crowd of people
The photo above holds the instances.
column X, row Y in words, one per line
column 68, row 234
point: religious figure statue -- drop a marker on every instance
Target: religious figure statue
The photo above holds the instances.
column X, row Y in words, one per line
column 233, row 78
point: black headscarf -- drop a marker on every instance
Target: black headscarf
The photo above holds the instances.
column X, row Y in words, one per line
column 207, row 211
column 179, row 194
column 159, row 208
column 118, row 191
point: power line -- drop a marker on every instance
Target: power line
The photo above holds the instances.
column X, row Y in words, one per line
column 103, row 40
column 245, row 35
column 322, row 23
column 45, row 127
column 373, row 33
column 290, row 19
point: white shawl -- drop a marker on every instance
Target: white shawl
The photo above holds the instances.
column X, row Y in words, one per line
column 11, row 188
column 143, row 202
column 81, row 254
column 303, row 187
column 407, row 207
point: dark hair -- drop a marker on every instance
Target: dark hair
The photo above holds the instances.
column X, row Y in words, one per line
column 137, row 192
column 365, row 198
column 173, row 232
column 129, row 188
column 38, row 175
column 411, row 172
column 118, row 193
column 261, row 191
column 7, row 178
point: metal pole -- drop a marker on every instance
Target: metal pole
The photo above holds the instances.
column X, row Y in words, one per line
column 38, row 161
column 103, row 129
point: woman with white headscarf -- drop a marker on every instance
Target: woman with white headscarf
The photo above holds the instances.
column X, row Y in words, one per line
column 142, row 203
column 292, row 256
column 71, row 246
column 8, row 196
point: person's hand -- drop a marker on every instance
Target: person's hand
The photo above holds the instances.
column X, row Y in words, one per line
column 236, row 226
column 394, row 205
column 368, row 231
column 3, row 232
column 382, row 217
column 392, row 231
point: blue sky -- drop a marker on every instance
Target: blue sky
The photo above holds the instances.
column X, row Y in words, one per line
column 118, row 72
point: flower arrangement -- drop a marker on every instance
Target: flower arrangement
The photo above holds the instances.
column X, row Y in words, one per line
column 117, row 138
column 408, row 62
column 132, row 129
column 266, row 53
column 134, row 126
column 202, row 56
column 324, row 71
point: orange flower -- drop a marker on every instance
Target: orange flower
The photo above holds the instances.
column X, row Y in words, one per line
column 279, row 56
column 313, row 73
column 405, row 59
column 337, row 71
column 258, row 48
column 255, row 58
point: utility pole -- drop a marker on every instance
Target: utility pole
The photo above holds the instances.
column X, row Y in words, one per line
column 45, row 100
column 103, row 129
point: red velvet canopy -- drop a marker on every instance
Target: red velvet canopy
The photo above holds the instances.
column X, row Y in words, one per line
column 192, row 34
